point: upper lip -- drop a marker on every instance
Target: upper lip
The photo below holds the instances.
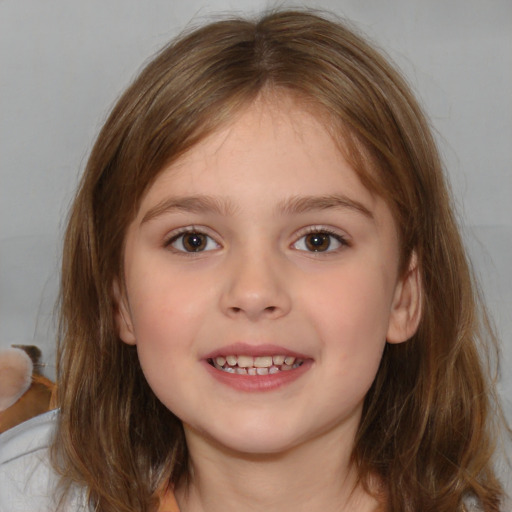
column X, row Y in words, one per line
column 254, row 350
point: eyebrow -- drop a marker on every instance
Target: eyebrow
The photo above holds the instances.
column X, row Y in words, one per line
column 303, row 204
column 191, row 204
column 222, row 206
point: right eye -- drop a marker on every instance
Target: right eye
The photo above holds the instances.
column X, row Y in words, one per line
column 192, row 241
column 320, row 240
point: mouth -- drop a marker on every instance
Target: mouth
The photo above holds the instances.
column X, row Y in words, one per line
column 254, row 366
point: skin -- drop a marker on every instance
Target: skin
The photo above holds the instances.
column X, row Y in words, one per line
column 256, row 282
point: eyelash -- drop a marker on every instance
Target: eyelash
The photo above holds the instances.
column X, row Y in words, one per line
column 319, row 230
column 322, row 230
column 191, row 230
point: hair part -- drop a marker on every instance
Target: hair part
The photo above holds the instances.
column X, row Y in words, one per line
column 426, row 430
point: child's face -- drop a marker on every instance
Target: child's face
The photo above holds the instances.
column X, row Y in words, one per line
column 262, row 242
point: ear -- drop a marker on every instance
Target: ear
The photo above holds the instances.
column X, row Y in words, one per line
column 122, row 315
column 406, row 308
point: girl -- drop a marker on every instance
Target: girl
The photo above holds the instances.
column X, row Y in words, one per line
column 265, row 300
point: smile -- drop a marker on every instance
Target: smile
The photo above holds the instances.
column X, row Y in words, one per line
column 260, row 365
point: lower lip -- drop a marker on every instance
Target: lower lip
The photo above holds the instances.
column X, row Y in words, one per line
column 258, row 383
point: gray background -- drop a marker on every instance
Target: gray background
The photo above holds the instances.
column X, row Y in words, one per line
column 63, row 63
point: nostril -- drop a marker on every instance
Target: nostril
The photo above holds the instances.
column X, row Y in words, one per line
column 268, row 309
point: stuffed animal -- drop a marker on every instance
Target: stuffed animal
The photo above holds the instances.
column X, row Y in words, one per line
column 24, row 392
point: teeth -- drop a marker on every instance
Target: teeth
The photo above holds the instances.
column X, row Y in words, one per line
column 278, row 360
column 289, row 360
column 262, row 362
column 232, row 360
column 245, row 361
column 261, row 365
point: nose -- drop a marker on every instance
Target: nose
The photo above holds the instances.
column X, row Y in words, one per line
column 255, row 288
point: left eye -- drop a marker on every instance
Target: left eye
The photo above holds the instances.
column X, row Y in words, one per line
column 193, row 242
column 319, row 241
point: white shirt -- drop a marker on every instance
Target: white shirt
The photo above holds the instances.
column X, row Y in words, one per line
column 27, row 480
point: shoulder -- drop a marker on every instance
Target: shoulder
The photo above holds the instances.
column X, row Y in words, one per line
column 27, row 438
column 27, row 479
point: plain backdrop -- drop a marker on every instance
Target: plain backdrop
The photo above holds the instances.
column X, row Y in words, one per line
column 63, row 63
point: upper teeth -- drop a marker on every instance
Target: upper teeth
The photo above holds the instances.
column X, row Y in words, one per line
column 260, row 365
column 257, row 362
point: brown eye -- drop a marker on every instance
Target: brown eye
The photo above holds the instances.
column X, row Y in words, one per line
column 320, row 241
column 317, row 242
column 193, row 242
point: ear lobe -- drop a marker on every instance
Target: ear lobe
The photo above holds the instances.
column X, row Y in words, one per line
column 122, row 316
column 406, row 309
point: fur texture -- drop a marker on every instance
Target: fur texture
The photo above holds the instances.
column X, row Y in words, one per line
column 16, row 369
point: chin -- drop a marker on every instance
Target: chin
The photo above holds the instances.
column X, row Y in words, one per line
column 252, row 440
column 259, row 446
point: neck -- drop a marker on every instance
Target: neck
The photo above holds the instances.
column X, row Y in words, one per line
column 317, row 476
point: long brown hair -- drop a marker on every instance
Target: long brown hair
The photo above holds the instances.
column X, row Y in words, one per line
column 427, row 428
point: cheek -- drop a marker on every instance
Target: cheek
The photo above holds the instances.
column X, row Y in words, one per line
column 352, row 319
column 163, row 302
column 357, row 301
column 165, row 325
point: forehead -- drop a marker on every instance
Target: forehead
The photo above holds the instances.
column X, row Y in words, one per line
column 274, row 147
